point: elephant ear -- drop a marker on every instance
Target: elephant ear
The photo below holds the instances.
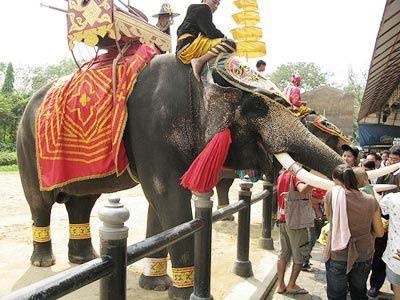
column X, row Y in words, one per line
column 219, row 103
column 219, row 111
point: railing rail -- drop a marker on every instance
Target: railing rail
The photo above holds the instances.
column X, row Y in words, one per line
column 157, row 242
column 110, row 268
column 65, row 282
column 259, row 196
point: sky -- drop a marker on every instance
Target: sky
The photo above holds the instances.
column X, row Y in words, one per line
column 336, row 35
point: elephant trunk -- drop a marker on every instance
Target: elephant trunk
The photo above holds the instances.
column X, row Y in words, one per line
column 286, row 134
column 313, row 153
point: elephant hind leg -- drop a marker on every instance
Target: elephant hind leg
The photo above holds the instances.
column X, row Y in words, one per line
column 80, row 248
column 154, row 276
column 42, row 255
column 223, row 187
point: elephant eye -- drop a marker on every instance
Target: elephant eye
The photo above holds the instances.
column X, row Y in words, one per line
column 253, row 109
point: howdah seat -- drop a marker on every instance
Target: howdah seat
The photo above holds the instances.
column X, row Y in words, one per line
column 102, row 23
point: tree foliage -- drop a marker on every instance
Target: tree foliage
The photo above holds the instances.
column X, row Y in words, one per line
column 2, row 67
column 312, row 76
column 8, row 84
column 17, row 88
column 12, row 106
column 356, row 87
column 41, row 75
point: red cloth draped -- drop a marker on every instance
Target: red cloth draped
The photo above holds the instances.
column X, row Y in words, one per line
column 203, row 173
column 79, row 126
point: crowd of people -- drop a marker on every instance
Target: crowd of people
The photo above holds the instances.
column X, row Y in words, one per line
column 359, row 241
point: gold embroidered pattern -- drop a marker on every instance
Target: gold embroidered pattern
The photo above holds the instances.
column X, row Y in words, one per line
column 79, row 231
column 183, row 277
column 41, row 234
column 79, row 125
column 155, row 266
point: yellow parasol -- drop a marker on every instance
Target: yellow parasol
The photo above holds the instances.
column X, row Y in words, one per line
column 248, row 37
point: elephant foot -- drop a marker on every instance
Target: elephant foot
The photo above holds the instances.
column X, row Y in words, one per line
column 155, row 283
column 81, row 251
column 229, row 218
column 42, row 255
column 179, row 293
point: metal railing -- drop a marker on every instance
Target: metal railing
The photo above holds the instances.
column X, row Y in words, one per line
column 110, row 268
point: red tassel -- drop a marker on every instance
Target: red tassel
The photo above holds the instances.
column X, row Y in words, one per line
column 204, row 172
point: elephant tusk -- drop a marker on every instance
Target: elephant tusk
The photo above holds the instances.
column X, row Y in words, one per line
column 374, row 174
column 316, row 173
column 289, row 164
column 384, row 187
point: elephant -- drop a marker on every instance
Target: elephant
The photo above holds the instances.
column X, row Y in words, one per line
column 228, row 176
column 171, row 117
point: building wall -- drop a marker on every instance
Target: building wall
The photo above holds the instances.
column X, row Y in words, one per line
column 337, row 105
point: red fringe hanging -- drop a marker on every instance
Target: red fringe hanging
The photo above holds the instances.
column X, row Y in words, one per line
column 204, row 172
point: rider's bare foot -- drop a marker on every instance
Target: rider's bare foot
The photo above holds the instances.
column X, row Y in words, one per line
column 197, row 65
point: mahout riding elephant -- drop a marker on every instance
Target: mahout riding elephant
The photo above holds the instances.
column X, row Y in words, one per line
column 333, row 141
column 171, row 118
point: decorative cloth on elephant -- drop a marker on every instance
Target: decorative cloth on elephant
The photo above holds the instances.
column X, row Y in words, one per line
column 324, row 125
column 183, row 277
column 197, row 35
column 302, row 111
column 203, row 173
column 80, row 124
column 240, row 75
column 155, row 266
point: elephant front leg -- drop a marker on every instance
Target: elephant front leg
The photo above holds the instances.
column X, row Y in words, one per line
column 176, row 210
column 80, row 248
column 42, row 255
column 173, row 206
column 182, row 258
column 223, row 187
column 154, row 276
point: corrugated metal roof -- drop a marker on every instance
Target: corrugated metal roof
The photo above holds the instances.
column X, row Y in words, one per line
column 384, row 72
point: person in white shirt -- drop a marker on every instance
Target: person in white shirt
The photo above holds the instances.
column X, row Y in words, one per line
column 385, row 157
column 390, row 205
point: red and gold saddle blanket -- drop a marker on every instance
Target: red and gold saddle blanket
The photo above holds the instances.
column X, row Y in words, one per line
column 79, row 125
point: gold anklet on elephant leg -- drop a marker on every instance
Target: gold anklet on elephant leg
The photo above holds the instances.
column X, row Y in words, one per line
column 41, row 234
column 79, row 231
column 155, row 266
column 183, row 277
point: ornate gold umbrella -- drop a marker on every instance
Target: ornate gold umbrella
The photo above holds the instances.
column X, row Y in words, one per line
column 248, row 37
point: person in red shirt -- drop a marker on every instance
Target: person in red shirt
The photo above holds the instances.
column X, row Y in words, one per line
column 292, row 92
column 294, row 242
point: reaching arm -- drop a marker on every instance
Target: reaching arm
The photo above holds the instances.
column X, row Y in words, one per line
column 304, row 189
column 327, row 205
column 377, row 226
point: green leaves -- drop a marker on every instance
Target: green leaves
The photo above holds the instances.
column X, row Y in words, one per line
column 8, row 85
column 355, row 86
column 12, row 106
column 41, row 75
column 17, row 87
column 312, row 75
